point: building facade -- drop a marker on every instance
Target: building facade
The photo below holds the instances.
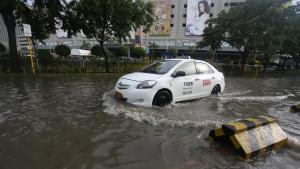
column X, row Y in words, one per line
column 182, row 20
column 298, row 8
column 4, row 36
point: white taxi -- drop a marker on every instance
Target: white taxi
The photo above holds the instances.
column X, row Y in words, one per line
column 170, row 80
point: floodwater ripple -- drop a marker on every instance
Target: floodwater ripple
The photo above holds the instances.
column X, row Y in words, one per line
column 73, row 121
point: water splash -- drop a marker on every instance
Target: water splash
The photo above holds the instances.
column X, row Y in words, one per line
column 236, row 93
column 156, row 115
column 257, row 98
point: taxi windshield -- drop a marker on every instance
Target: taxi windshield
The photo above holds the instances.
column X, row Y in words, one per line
column 161, row 67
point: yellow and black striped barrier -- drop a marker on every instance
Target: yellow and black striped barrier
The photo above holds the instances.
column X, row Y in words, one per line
column 251, row 137
column 295, row 108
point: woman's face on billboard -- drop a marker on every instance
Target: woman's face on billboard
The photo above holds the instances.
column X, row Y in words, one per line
column 201, row 7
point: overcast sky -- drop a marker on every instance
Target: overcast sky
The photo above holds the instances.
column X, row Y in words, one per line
column 295, row 1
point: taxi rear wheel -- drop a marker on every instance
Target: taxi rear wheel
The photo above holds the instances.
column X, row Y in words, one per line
column 216, row 90
column 162, row 98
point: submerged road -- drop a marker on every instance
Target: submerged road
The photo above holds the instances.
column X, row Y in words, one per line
column 72, row 121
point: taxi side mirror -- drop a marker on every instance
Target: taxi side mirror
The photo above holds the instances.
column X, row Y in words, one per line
column 179, row 74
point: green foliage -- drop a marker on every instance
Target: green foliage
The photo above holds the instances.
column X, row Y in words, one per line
column 44, row 54
column 137, row 52
column 97, row 51
column 291, row 44
column 62, row 50
column 105, row 20
column 153, row 46
column 248, row 26
column 174, row 51
column 257, row 25
column 2, row 48
column 43, row 16
column 122, row 51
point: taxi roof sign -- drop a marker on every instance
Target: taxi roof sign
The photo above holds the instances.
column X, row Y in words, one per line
column 183, row 57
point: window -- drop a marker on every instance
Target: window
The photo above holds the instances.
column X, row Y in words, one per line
column 185, row 5
column 211, row 15
column 226, row 4
column 172, row 6
column 187, row 68
column 212, row 5
column 184, row 15
column 172, row 25
column 183, row 25
column 161, row 67
column 203, row 68
column 172, row 15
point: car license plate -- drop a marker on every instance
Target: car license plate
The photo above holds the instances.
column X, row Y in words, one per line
column 118, row 95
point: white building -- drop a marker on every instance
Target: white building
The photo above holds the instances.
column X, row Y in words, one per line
column 179, row 17
column 4, row 36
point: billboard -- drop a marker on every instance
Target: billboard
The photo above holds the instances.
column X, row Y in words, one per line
column 197, row 14
column 162, row 13
column 297, row 7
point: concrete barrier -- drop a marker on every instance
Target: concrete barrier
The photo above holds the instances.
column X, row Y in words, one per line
column 295, row 108
column 251, row 137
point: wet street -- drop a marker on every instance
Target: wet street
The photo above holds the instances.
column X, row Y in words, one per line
column 72, row 121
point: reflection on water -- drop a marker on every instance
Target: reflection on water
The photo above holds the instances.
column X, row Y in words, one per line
column 72, row 121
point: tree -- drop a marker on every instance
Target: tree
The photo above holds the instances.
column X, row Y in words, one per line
column 96, row 50
column 122, row 51
column 105, row 20
column 62, row 50
column 153, row 47
column 256, row 25
column 44, row 54
column 137, row 52
column 2, row 48
column 173, row 51
column 291, row 43
column 42, row 16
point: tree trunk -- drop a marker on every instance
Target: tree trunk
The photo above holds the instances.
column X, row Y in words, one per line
column 266, row 63
column 105, row 56
column 245, row 53
column 10, row 23
column 297, row 61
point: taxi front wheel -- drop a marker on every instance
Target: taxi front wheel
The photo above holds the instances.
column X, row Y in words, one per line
column 216, row 90
column 162, row 98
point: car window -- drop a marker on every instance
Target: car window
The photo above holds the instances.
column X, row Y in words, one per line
column 161, row 67
column 187, row 68
column 203, row 68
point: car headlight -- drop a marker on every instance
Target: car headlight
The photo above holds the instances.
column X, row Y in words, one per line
column 146, row 84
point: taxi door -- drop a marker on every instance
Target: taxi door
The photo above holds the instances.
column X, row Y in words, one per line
column 184, row 85
column 205, row 79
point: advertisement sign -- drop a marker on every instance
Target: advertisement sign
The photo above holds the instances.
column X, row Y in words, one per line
column 162, row 12
column 197, row 14
column 297, row 7
column 27, row 30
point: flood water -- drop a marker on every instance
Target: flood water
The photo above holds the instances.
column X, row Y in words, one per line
column 73, row 122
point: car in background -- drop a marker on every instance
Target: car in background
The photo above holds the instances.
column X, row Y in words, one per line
column 170, row 80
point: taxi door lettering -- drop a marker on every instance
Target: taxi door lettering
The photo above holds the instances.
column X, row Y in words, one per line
column 188, row 83
column 206, row 82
